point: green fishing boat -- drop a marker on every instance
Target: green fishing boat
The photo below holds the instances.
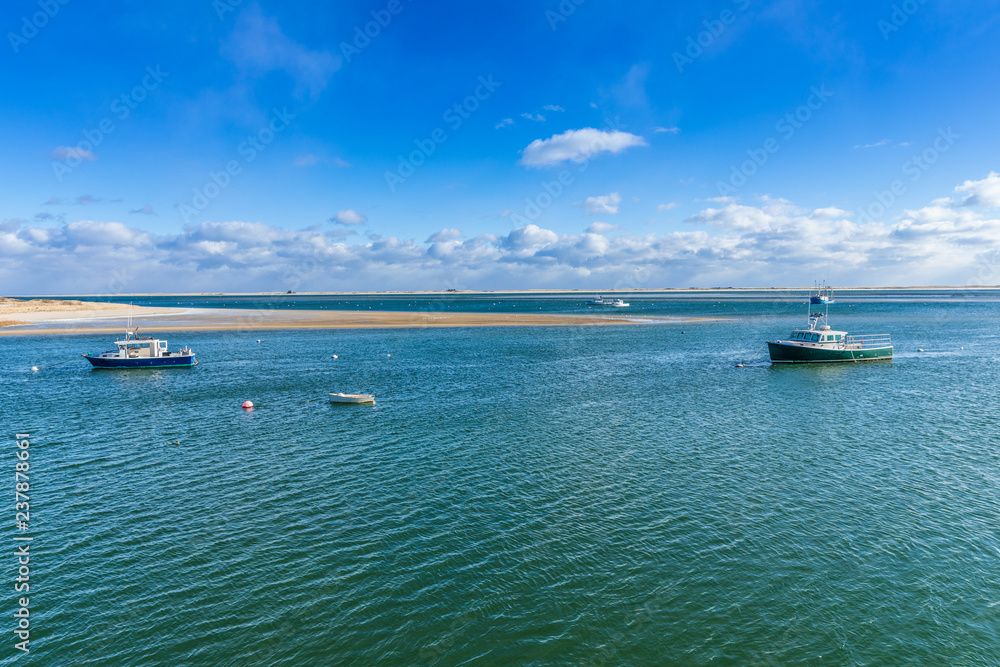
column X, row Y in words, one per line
column 818, row 343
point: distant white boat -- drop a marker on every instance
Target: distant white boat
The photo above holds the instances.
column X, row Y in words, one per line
column 598, row 301
column 619, row 303
column 352, row 398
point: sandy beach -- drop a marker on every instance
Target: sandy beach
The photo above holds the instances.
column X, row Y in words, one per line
column 23, row 312
column 46, row 316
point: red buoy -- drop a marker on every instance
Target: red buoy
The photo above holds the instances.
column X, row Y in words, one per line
column 247, row 405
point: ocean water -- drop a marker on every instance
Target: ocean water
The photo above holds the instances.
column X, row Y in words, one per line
column 619, row 495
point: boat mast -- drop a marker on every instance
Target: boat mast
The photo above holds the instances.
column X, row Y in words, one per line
column 821, row 294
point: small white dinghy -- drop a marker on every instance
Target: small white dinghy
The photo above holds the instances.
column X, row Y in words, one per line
column 352, row 398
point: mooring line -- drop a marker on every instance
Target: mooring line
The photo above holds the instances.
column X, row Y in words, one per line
column 751, row 357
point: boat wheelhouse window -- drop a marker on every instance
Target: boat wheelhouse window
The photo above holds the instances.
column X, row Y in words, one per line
column 838, row 336
column 815, row 337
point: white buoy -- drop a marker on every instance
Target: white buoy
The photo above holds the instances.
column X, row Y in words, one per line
column 258, row 340
column 739, row 366
column 920, row 349
column 334, row 356
column 388, row 355
column 34, row 369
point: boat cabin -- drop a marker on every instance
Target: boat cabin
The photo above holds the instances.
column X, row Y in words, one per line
column 822, row 336
column 142, row 348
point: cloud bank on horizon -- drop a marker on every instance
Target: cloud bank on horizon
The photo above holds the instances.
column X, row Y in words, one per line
column 245, row 146
column 952, row 240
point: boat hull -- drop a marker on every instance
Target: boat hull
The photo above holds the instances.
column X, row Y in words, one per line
column 178, row 361
column 352, row 398
column 782, row 353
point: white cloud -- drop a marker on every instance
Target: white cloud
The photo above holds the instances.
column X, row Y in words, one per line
column 349, row 217
column 602, row 205
column 528, row 241
column 673, row 129
column 145, row 210
column 258, row 46
column 309, row 160
column 504, row 123
column 985, row 192
column 538, row 118
column 667, row 207
column 63, row 153
column 601, row 227
column 444, row 235
column 553, row 107
column 877, row 143
column 829, row 213
column 631, row 90
column 86, row 233
column 577, row 146
column 772, row 242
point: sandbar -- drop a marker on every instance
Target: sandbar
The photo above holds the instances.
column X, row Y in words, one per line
column 48, row 318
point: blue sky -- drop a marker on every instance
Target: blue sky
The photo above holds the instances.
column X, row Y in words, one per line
column 236, row 145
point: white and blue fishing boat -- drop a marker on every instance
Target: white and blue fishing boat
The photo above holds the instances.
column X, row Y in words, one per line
column 821, row 295
column 136, row 352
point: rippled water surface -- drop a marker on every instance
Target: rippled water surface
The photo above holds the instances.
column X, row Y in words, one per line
column 618, row 495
